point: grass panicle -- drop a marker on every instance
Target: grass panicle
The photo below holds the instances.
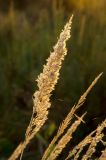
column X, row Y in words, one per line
column 46, row 83
column 78, row 148
column 95, row 140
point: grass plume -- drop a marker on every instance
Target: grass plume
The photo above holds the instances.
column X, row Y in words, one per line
column 46, row 84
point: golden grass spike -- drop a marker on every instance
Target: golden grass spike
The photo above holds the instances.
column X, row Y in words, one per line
column 83, row 97
column 75, row 107
column 76, row 157
column 99, row 135
column 46, row 83
column 69, row 117
column 79, row 147
column 65, row 139
column 59, row 132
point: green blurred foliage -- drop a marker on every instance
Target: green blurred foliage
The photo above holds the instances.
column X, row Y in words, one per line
column 27, row 35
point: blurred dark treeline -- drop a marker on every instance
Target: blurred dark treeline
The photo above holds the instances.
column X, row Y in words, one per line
column 28, row 32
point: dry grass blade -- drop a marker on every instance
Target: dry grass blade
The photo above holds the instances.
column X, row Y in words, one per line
column 69, row 117
column 65, row 139
column 99, row 135
column 46, row 83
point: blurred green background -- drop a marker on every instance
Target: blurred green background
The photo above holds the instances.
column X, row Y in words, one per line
column 28, row 32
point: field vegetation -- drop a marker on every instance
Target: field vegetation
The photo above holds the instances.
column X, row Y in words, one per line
column 28, row 30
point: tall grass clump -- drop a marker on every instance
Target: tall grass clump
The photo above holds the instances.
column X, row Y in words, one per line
column 41, row 103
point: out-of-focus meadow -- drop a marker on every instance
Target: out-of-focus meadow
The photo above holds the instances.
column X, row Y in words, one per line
column 28, row 31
